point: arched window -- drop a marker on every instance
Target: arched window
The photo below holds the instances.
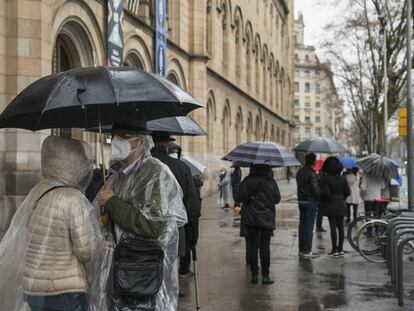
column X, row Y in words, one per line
column 266, row 132
column 133, row 60
column 238, row 48
column 272, row 133
column 210, row 125
column 258, row 129
column 248, row 60
column 225, row 38
column 249, row 128
column 209, row 34
column 264, row 82
column 226, row 125
column 72, row 49
column 257, row 66
column 239, row 127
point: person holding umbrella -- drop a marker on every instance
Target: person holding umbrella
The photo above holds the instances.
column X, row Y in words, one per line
column 259, row 195
column 334, row 191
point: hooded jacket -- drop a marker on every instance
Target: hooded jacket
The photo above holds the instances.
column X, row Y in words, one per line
column 60, row 238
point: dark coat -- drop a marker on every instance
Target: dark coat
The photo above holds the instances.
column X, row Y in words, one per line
column 259, row 194
column 308, row 185
column 183, row 175
column 334, row 191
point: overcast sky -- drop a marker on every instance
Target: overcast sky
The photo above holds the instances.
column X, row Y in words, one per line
column 316, row 14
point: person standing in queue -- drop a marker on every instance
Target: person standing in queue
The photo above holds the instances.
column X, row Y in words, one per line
column 189, row 236
column 308, row 197
column 144, row 202
column 236, row 178
column 334, row 191
column 259, row 195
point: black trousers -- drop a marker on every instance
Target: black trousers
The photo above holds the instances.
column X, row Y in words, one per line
column 319, row 218
column 337, row 233
column 348, row 210
column 191, row 238
column 259, row 239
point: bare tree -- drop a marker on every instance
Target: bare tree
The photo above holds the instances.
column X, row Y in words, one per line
column 354, row 45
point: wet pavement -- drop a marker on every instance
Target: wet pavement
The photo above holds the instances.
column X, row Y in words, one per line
column 349, row 283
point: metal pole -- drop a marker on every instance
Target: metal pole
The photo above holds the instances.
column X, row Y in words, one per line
column 409, row 111
column 385, row 79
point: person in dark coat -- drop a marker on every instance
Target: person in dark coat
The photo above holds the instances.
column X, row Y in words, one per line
column 236, row 178
column 198, row 183
column 334, row 191
column 308, row 197
column 259, row 195
column 191, row 200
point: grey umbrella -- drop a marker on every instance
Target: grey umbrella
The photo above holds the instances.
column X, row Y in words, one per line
column 262, row 152
column 321, row 145
column 379, row 166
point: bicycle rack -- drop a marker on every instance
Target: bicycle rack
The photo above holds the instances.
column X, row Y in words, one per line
column 397, row 231
column 392, row 228
column 400, row 283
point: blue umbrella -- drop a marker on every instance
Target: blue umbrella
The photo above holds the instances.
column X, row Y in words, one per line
column 262, row 152
column 349, row 162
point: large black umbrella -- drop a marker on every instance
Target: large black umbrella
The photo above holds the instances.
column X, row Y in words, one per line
column 87, row 97
column 321, row 145
column 379, row 166
column 176, row 126
column 262, row 152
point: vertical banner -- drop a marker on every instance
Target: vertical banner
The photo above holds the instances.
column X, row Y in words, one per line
column 160, row 37
column 115, row 33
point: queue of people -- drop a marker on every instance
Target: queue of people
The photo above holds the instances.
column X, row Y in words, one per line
column 58, row 255
column 335, row 193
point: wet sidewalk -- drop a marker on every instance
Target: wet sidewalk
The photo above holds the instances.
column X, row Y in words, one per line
column 349, row 283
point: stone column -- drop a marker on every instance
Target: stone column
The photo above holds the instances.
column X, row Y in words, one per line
column 22, row 60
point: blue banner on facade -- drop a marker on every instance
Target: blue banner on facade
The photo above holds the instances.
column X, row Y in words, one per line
column 161, row 32
column 115, row 33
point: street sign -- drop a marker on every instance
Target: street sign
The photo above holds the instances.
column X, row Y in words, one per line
column 402, row 122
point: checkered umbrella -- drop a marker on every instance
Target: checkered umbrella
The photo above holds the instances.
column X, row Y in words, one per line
column 262, row 152
column 379, row 166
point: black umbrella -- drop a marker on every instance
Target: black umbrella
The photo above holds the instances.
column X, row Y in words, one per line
column 88, row 97
column 176, row 126
column 379, row 166
column 321, row 145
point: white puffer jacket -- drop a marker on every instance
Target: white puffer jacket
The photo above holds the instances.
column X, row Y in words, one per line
column 60, row 237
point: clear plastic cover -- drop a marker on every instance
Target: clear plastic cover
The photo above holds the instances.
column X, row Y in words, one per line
column 54, row 248
column 151, row 188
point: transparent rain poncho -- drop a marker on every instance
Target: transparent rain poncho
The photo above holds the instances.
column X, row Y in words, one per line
column 54, row 246
column 149, row 186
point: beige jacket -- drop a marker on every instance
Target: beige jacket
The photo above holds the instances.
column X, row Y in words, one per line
column 59, row 233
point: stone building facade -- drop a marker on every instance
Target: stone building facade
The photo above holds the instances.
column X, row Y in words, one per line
column 235, row 56
column 318, row 109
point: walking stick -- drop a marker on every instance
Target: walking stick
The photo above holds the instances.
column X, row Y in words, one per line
column 194, row 252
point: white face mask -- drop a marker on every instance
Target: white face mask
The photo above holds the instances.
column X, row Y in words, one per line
column 120, row 148
column 173, row 155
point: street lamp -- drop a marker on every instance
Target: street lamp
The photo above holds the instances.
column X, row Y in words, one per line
column 409, row 111
column 383, row 31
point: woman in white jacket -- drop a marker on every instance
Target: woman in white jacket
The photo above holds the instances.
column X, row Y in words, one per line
column 354, row 199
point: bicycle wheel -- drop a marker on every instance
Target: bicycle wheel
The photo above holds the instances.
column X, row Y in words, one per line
column 353, row 229
column 372, row 239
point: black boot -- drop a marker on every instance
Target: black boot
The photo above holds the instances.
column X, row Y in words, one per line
column 267, row 281
column 255, row 279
